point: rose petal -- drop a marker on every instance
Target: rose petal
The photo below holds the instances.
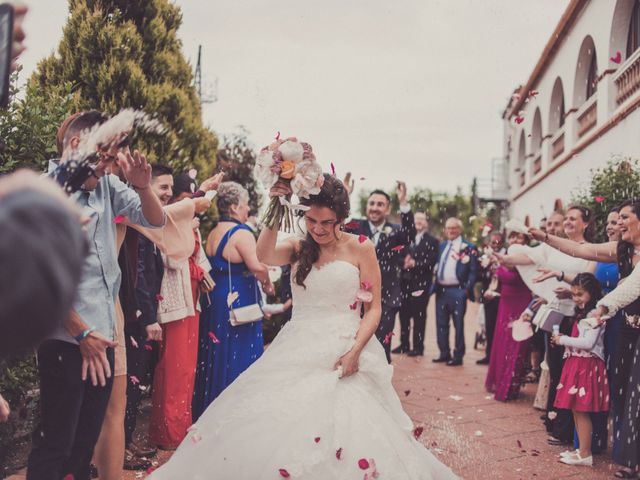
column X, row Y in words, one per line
column 362, row 238
column 407, row 392
column 519, row 119
column 417, row 432
column 366, row 285
column 134, row 380
column 317, row 439
column 133, row 342
column 278, row 136
column 599, row 199
column 617, row 58
column 333, row 169
column 363, row 463
column 118, row 219
column 213, row 337
column 387, row 338
column 68, row 476
column 284, row 473
column 339, row 453
column 519, row 443
column 159, row 297
column 354, row 305
column 397, row 248
column 195, row 438
column 148, row 347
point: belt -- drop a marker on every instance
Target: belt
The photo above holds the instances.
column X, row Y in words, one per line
column 450, row 286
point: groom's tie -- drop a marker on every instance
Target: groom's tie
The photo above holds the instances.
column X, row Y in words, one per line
column 443, row 260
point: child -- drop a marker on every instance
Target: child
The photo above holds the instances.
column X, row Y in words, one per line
column 583, row 386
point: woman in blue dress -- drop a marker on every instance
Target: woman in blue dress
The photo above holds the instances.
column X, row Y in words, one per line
column 226, row 351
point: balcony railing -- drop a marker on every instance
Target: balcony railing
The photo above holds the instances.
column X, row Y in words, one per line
column 587, row 115
column 537, row 163
column 627, row 78
column 557, row 144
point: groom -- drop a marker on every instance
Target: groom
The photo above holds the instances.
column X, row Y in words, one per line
column 390, row 240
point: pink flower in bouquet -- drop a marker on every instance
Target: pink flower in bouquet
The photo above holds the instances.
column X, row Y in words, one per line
column 364, row 296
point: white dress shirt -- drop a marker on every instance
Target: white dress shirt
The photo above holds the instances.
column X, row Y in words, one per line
column 448, row 276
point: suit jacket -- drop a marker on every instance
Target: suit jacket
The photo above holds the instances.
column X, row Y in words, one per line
column 466, row 270
column 390, row 255
column 425, row 255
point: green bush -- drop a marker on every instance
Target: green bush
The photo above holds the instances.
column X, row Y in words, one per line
column 610, row 185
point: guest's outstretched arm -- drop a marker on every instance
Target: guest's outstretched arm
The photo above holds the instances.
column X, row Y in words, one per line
column 597, row 252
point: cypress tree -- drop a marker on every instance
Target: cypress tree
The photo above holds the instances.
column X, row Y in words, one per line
column 126, row 54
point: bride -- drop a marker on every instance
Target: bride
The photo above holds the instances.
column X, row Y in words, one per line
column 319, row 403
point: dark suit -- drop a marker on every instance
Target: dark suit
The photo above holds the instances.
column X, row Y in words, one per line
column 391, row 260
column 490, row 307
column 416, row 284
column 451, row 300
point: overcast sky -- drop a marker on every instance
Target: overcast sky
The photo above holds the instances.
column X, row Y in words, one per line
column 411, row 89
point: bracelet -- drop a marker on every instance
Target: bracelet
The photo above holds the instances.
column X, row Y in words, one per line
column 561, row 277
column 84, row 334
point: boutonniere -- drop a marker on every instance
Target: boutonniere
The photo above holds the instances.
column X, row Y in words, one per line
column 387, row 230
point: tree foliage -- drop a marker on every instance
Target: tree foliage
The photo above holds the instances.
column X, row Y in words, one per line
column 126, row 53
column 28, row 126
column 237, row 158
column 438, row 206
column 610, row 185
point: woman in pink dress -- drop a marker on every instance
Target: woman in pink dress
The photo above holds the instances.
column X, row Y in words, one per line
column 507, row 366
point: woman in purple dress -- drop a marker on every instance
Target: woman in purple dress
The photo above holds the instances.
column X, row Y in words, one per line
column 507, row 366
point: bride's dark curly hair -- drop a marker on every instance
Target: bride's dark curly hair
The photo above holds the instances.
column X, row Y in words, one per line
column 334, row 196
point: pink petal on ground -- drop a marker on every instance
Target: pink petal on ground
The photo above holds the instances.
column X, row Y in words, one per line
column 339, row 453
column 519, row 443
column 417, row 432
column 407, row 392
column 118, row 219
column 284, row 473
column 363, row 463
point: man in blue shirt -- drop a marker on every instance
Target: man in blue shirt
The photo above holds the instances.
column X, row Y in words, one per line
column 75, row 363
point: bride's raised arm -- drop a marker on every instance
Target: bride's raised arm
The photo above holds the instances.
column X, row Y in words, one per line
column 272, row 252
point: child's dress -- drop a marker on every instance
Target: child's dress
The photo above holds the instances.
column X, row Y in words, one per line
column 583, row 385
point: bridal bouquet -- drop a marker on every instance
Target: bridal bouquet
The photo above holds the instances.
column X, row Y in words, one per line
column 291, row 167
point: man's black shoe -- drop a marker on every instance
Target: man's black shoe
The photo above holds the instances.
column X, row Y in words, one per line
column 441, row 359
column 483, row 361
column 454, row 363
column 415, row 353
column 400, row 349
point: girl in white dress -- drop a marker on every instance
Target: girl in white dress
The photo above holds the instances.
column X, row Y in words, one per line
column 319, row 403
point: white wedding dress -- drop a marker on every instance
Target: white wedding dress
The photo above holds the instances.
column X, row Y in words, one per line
column 291, row 414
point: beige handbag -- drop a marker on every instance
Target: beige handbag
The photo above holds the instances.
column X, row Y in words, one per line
column 248, row 313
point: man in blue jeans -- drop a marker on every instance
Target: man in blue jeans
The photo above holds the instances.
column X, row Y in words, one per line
column 75, row 362
column 456, row 275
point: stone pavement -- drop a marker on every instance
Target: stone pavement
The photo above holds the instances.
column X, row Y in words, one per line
column 464, row 427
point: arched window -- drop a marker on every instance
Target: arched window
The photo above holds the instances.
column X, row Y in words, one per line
column 556, row 111
column 633, row 37
column 561, row 111
column 592, row 76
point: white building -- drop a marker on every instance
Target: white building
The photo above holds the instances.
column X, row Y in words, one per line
column 585, row 111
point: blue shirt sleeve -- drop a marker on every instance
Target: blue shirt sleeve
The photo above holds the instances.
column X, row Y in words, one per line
column 126, row 202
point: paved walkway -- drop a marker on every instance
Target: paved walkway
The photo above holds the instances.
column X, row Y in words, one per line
column 477, row 436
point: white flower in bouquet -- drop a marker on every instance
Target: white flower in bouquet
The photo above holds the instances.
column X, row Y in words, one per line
column 264, row 169
column 308, row 179
column 292, row 151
